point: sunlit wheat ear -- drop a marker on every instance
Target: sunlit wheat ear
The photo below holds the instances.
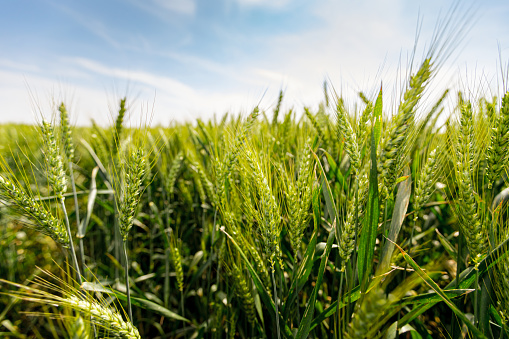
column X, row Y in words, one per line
column 65, row 130
column 497, row 154
column 470, row 220
column 108, row 320
column 346, row 133
column 425, row 183
column 117, row 131
column 346, row 241
column 225, row 164
column 269, row 225
column 365, row 118
column 175, row 167
column 42, row 220
column 176, row 261
column 133, row 171
column 55, row 166
column 392, row 146
column 299, row 198
column 104, row 317
column 206, row 184
column 316, row 125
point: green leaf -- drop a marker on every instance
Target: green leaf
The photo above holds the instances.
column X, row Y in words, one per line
column 377, row 115
column 398, row 215
column 392, row 331
column 434, row 297
column 368, row 234
column 401, row 179
column 302, row 275
column 102, row 169
column 90, row 204
column 305, row 325
column 336, row 171
column 142, row 303
column 264, row 296
column 498, row 320
column 466, row 279
column 329, row 198
column 327, row 193
column 433, row 285
column 451, row 250
column 352, row 296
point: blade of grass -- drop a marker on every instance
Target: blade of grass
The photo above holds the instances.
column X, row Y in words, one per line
column 368, row 233
column 433, row 285
column 398, row 215
column 139, row 302
column 305, row 325
column 265, row 297
column 377, row 115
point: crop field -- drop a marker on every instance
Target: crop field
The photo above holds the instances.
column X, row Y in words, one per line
column 359, row 219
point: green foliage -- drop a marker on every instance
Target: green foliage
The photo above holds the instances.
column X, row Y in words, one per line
column 347, row 223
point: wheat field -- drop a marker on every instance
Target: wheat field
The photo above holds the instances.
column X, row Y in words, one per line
column 356, row 220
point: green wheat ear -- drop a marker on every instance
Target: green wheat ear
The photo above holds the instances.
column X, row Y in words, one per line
column 268, row 216
column 468, row 211
column 117, row 132
column 55, row 166
column 425, row 183
column 43, row 221
column 393, row 145
column 345, row 132
column 497, row 154
column 176, row 260
column 66, row 133
column 299, row 198
column 134, row 169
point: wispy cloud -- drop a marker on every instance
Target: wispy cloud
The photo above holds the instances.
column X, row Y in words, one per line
column 161, row 8
column 273, row 4
column 187, row 7
column 165, row 84
column 92, row 24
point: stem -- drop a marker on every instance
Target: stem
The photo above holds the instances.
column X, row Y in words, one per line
column 476, row 297
column 77, row 213
column 486, row 291
column 275, row 303
column 294, row 276
column 456, row 331
column 128, row 290
column 341, row 278
column 167, row 277
column 117, row 240
column 182, row 305
column 73, row 253
column 410, row 246
column 209, row 269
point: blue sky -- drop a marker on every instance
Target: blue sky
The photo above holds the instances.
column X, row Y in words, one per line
column 180, row 60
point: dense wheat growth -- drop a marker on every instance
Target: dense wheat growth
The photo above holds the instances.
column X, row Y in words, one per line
column 353, row 220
